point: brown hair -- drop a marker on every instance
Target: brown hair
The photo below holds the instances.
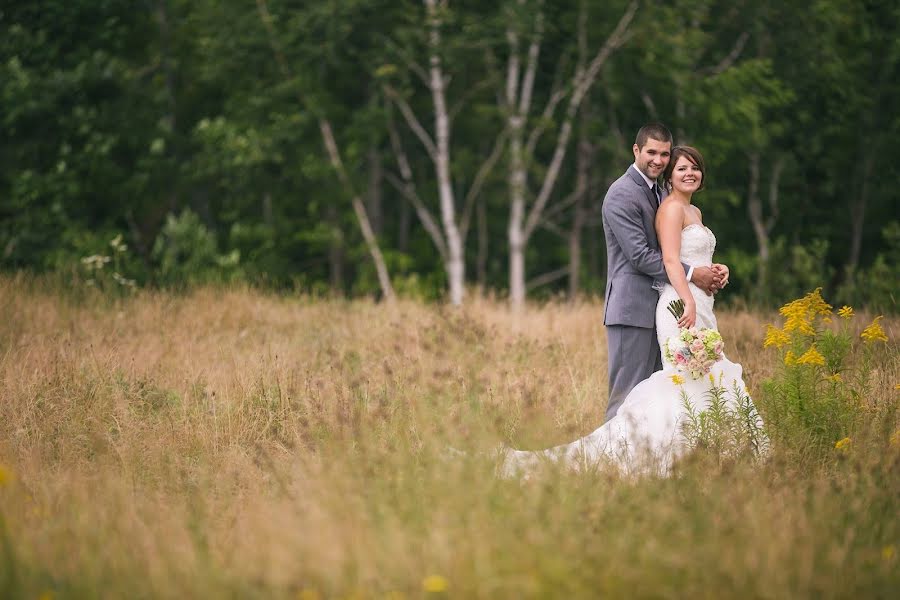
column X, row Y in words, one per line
column 692, row 155
column 656, row 131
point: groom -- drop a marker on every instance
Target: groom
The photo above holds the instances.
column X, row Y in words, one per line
column 634, row 261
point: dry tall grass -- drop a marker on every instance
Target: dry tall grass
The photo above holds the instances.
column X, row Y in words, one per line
column 233, row 443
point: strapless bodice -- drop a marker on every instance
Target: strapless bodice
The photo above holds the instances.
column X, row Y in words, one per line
column 697, row 245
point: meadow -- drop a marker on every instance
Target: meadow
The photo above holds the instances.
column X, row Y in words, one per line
column 235, row 443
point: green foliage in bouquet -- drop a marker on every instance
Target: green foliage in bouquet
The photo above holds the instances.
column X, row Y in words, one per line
column 676, row 307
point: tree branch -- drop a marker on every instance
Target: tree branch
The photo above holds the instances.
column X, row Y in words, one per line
column 615, row 39
column 534, row 50
column 546, row 278
column 412, row 121
column 735, row 53
column 415, row 67
column 486, row 167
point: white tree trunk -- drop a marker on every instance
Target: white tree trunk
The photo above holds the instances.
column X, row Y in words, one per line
column 384, row 280
column 515, row 231
column 456, row 266
column 518, row 105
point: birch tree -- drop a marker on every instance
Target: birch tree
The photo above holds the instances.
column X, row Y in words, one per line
column 448, row 231
column 334, row 156
column 525, row 130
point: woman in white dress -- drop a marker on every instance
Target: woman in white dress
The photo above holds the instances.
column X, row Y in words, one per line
column 647, row 432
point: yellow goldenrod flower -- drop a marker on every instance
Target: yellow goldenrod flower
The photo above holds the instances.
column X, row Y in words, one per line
column 775, row 337
column 874, row 332
column 434, row 584
column 845, row 312
column 677, row 379
column 812, row 357
column 801, row 314
column 895, row 439
column 6, row 476
column 888, row 552
column 797, row 317
column 816, row 304
column 790, row 359
column 897, row 386
column 836, row 378
column 843, row 445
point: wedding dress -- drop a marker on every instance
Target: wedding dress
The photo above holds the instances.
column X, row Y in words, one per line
column 647, row 432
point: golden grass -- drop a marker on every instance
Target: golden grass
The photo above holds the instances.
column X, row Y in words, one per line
column 231, row 442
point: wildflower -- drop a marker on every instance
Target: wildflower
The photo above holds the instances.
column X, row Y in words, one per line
column 677, row 379
column 117, row 244
column 800, row 314
column 845, row 312
column 843, row 445
column 95, row 262
column 775, row 337
column 812, row 357
column 816, row 304
column 796, row 317
column 6, row 476
column 434, row 584
column 874, row 332
column 895, row 439
column 888, row 552
column 790, row 359
column 836, row 378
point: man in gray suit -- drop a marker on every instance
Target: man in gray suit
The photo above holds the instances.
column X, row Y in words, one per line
column 634, row 261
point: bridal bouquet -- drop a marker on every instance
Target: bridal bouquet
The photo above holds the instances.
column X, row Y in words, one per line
column 693, row 351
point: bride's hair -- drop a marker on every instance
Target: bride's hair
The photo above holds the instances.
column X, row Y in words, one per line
column 692, row 155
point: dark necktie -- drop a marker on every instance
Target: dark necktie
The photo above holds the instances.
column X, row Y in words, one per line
column 656, row 194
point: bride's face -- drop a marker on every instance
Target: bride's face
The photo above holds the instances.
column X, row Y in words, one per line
column 686, row 176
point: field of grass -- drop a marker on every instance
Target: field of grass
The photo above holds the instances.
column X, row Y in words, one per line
column 241, row 444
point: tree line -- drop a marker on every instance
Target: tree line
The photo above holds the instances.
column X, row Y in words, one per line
column 428, row 147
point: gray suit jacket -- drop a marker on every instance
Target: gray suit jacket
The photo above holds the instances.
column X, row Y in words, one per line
column 634, row 259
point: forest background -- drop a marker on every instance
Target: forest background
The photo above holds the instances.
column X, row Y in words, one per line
column 386, row 147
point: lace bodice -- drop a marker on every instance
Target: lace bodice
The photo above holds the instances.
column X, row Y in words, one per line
column 697, row 246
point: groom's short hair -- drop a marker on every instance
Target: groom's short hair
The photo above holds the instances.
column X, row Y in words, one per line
column 656, row 131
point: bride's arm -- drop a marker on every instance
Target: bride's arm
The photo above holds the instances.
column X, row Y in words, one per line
column 669, row 222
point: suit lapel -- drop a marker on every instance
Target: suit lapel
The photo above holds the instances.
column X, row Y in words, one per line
column 642, row 185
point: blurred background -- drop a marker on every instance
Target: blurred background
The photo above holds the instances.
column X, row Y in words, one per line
column 427, row 148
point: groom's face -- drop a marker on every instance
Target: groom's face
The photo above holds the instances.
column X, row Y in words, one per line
column 652, row 159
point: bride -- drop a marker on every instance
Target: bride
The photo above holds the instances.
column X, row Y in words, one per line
column 647, row 433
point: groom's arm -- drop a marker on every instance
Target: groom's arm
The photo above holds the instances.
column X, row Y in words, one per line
column 627, row 225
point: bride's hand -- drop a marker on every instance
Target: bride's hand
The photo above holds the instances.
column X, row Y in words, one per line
column 722, row 272
column 689, row 318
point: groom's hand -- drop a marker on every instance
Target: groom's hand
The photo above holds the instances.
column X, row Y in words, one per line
column 706, row 279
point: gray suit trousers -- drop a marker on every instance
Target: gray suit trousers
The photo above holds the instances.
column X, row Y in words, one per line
column 633, row 357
